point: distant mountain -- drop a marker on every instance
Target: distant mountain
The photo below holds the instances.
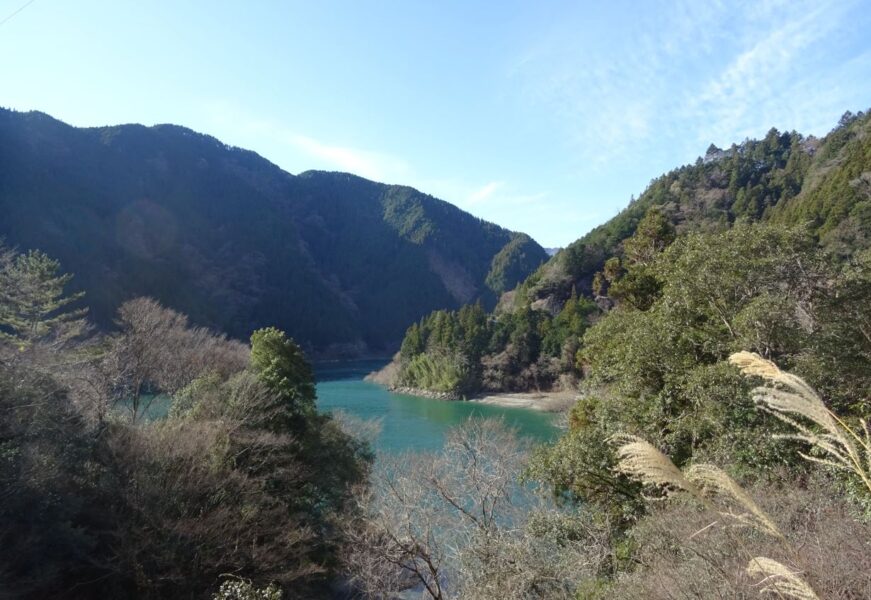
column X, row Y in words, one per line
column 552, row 251
column 220, row 233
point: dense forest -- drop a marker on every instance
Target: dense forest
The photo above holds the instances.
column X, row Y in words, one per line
column 341, row 263
column 244, row 491
column 760, row 201
column 717, row 334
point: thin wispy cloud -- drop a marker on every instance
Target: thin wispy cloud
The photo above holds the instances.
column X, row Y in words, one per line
column 372, row 165
column 762, row 83
column 485, row 192
column 572, row 107
column 317, row 153
column 290, row 148
column 722, row 71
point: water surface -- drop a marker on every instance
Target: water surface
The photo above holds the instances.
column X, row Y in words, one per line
column 410, row 422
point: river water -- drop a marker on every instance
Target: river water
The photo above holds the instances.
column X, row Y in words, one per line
column 410, row 422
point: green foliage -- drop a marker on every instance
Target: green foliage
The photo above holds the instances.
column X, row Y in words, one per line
column 660, row 372
column 729, row 289
column 332, row 460
column 220, row 234
column 579, row 468
column 517, row 259
column 413, row 343
column 243, row 476
column 743, row 288
column 837, row 356
column 835, row 194
column 693, row 280
column 464, row 351
column 33, row 303
column 784, row 177
column 282, row 367
column 633, row 281
column 439, row 372
column 567, row 328
column 653, row 235
column 443, row 352
column 719, row 293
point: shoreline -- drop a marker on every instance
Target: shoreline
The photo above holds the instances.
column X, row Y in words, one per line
column 554, row 402
column 421, row 393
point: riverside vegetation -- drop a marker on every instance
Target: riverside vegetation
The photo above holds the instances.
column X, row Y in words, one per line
column 718, row 333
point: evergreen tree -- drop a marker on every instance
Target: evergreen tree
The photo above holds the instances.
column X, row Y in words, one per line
column 654, row 233
column 33, row 305
column 281, row 365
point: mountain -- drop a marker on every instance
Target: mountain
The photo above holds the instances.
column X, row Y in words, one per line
column 729, row 213
column 220, row 233
column 783, row 178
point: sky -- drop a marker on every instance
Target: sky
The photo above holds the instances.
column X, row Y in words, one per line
column 544, row 117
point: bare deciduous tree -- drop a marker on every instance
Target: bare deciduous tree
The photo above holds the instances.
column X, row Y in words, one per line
column 187, row 512
column 157, row 350
column 458, row 524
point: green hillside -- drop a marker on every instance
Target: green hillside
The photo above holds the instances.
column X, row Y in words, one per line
column 815, row 190
column 339, row 262
column 785, row 178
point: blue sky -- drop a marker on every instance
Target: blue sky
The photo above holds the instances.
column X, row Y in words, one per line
column 544, row 117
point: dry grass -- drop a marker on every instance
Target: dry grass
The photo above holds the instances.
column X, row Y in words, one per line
column 793, row 401
column 681, row 556
column 779, row 580
column 716, row 491
column 706, row 483
column 640, row 460
column 715, row 482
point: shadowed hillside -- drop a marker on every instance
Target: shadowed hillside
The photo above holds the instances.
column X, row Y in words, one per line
column 343, row 264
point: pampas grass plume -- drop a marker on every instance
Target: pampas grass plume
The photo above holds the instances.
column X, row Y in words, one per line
column 714, row 479
column 779, row 580
column 790, row 399
column 642, row 461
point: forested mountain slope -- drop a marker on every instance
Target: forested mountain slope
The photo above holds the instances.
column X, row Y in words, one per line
column 785, row 178
column 224, row 235
column 779, row 203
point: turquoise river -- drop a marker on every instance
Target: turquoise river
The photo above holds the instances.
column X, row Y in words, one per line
column 410, row 422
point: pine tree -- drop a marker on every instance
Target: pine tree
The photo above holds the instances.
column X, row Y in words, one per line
column 33, row 305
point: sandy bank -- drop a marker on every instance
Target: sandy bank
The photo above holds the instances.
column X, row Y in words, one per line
column 543, row 401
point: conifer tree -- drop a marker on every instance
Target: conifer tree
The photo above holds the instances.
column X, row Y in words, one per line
column 33, row 305
column 281, row 365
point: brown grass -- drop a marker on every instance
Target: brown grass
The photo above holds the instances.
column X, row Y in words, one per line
column 710, row 570
column 680, row 555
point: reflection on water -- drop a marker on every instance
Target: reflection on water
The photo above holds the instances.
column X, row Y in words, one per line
column 409, row 422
